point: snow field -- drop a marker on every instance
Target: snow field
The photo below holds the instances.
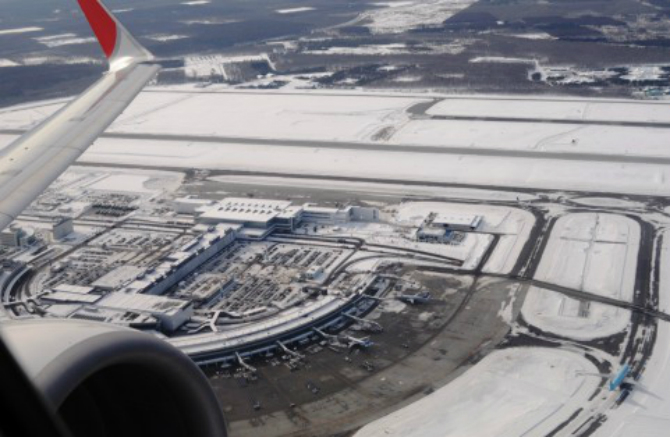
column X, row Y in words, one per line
column 355, row 118
column 438, row 168
column 650, row 112
column 596, row 253
column 645, row 412
column 294, row 10
column 523, row 136
column 510, row 393
column 380, row 189
column 402, row 16
column 273, row 116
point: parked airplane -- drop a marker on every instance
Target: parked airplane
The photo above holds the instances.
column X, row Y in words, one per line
column 100, row 380
column 414, row 299
column 616, row 380
column 619, row 378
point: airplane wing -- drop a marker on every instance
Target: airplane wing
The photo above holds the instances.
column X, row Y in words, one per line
column 31, row 163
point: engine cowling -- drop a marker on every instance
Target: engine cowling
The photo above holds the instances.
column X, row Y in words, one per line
column 110, row 381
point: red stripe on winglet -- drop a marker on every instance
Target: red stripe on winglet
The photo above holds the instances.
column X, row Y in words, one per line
column 102, row 24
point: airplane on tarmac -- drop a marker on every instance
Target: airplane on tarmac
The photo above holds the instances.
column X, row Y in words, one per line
column 616, row 380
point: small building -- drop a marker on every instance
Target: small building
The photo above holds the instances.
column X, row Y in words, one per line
column 433, row 234
column 190, row 204
column 62, row 227
column 314, row 272
column 13, row 236
column 321, row 214
column 364, row 214
column 328, row 215
column 464, row 222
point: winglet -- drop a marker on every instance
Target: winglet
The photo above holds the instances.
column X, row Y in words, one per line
column 117, row 43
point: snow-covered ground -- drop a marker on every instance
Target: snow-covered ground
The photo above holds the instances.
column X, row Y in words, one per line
column 378, row 189
column 470, row 251
column 645, row 412
column 294, row 10
column 123, row 182
column 511, row 224
column 532, row 35
column 20, row 30
column 490, row 171
column 65, row 39
column 453, row 48
column 596, row 253
column 501, row 60
column 263, row 115
column 165, row 37
column 305, row 115
column 398, row 17
column 510, row 393
column 367, row 50
column 78, row 179
column 540, row 137
column 375, row 118
column 204, row 66
column 650, row 112
column 609, row 202
column 8, row 63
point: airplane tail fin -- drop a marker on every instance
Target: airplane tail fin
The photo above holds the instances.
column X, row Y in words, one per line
column 119, row 46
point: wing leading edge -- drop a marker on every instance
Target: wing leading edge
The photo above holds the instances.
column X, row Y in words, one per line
column 32, row 162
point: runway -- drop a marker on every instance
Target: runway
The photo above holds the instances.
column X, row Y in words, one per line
column 391, row 148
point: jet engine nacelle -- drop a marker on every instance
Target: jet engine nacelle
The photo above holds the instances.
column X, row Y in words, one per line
column 109, row 381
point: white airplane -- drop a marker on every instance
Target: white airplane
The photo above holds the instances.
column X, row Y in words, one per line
column 91, row 379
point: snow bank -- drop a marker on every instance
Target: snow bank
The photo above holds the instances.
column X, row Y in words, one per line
column 510, row 393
